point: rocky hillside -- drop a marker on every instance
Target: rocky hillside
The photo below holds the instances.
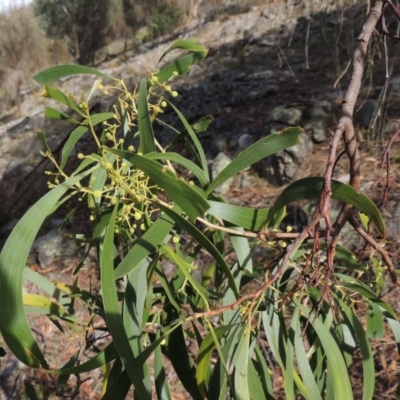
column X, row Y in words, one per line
column 269, row 66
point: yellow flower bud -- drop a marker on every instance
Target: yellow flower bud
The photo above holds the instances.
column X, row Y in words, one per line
column 175, row 239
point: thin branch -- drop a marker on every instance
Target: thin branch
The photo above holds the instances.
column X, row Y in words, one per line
column 376, row 246
column 263, row 235
column 342, row 74
column 386, row 162
column 307, row 38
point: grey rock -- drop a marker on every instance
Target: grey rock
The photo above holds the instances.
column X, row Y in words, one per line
column 234, row 75
column 286, row 115
column 54, row 245
column 391, row 127
column 253, row 95
column 244, row 180
column 326, row 105
column 218, row 144
column 262, row 75
column 220, row 163
column 316, row 126
column 319, row 134
column 18, row 168
column 245, row 141
column 281, row 167
column 302, row 149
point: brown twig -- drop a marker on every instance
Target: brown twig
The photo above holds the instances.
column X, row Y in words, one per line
column 376, row 246
column 386, row 163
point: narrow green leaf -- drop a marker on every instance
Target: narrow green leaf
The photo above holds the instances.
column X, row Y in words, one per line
column 204, row 356
column 375, row 322
column 113, row 313
column 264, row 374
column 60, row 97
column 183, row 64
column 199, row 148
column 288, row 358
column 365, row 347
column 159, row 342
column 86, row 162
column 160, row 376
column 13, row 323
column 395, row 327
column 95, row 86
column 42, row 138
column 132, row 314
column 337, row 369
column 48, row 307
column 119, row 388
column 185, row 196
column 100, row 359
column 347, row 259
column 184, row 44
column 256, row 389
column 95, row 119
column 179, row 67
column 52, row 113
column 74, row 136
column 146, row 245
column 174, row 157
column 167, row 289
column 147, row 144
column 248, row 218
column 241, row 368
column 256, row 152
column 178, row 354
column 205, row 242
column 44, row 284
column 52, row 74
column 310, row 188
column 134, row 305
column 243, row 252
column 365, row 291
column 221, row 376
column 185, row 268
column 276, row 334
column 306, row 372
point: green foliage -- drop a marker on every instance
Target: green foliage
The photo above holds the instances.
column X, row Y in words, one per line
column 166, row 18
column 138, row 13
column 83, row 23
column 149, row 208
column 161, row 17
